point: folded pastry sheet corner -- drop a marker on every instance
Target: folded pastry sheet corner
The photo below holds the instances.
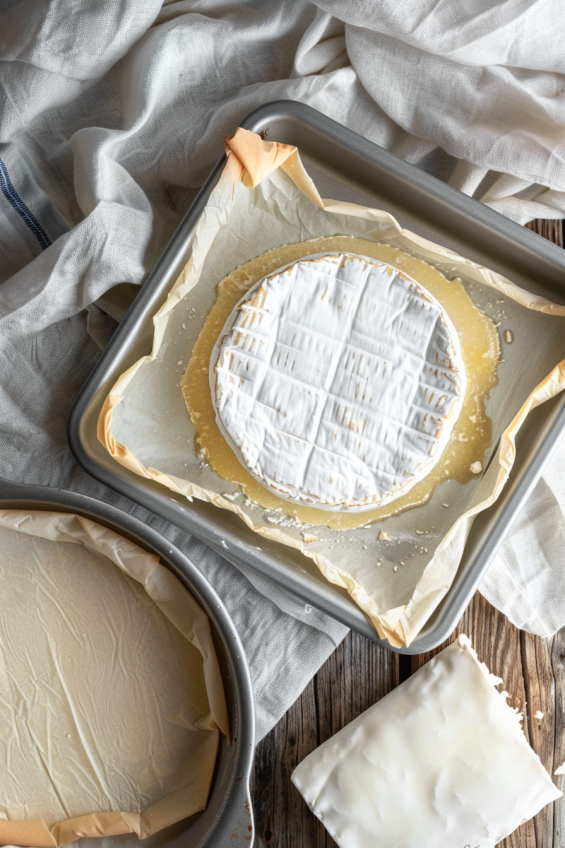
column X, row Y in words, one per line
column 446, row 745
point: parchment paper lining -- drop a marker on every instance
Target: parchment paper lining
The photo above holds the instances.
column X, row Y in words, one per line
column 265, row 199
column 111, row 699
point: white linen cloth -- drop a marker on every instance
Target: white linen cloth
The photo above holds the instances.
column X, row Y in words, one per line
column 285, row 640
column 111, row 115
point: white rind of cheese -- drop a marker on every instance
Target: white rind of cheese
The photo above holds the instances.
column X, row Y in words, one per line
column 337, row 381
column 440, row 761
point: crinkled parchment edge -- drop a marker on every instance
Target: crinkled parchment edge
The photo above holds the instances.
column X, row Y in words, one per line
column 178, row 605
column 249, row 160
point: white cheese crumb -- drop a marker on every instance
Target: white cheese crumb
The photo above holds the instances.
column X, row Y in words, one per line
column 476, row 467
column 383, row 536
column 538, row 715
column 309, row 537
column 395, row 568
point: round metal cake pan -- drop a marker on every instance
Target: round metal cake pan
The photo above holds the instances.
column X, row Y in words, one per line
column 228, row 817
column 348, row 168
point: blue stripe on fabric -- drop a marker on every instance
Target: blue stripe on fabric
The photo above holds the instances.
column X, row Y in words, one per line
column 17, row 203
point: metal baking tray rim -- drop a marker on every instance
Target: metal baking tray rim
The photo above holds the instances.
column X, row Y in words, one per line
column 492, row 525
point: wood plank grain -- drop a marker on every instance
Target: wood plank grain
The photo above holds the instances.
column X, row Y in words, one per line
column 551, row 230
column 558, row 670
column 540, row 697
column 356, row 675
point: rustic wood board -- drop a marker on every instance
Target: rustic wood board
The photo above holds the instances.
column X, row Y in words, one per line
column 360, row 672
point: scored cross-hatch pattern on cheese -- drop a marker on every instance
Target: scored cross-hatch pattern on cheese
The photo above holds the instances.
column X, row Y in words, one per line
column 337, row 381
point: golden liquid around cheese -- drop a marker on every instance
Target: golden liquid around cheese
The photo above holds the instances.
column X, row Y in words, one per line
column 471, row 436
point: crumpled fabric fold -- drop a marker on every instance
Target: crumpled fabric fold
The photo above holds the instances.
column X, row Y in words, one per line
column 111, row 116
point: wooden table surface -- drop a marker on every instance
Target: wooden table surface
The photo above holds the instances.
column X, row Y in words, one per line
column 360, row 672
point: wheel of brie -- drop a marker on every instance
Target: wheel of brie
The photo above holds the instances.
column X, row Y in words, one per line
column 337, row 381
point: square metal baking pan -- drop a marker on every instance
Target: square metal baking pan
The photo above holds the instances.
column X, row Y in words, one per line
column 346, row 167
